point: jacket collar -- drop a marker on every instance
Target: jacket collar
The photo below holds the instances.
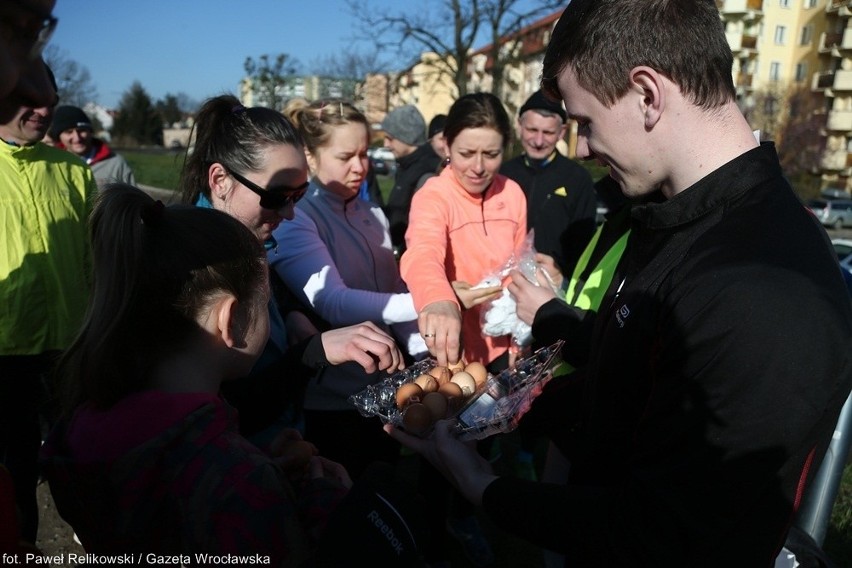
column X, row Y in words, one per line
column 419, row 153
column 720, row 186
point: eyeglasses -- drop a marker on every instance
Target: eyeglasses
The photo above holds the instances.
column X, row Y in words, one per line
column 36, row 29
column 274, row 198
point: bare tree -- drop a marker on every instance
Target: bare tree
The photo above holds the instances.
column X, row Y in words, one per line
column 72, row 79
column 505, row 19
column 271, row 76
column 451, row 30
column 801, row 139
column 794, row 119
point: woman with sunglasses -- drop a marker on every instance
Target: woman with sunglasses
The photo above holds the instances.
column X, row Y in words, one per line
column 249, row 163
column 339, row 265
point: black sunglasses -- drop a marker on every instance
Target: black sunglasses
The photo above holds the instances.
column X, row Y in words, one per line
column 37, row 31
column 274, row 198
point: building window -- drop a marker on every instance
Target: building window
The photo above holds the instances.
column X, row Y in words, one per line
column 801, row 72
column 810, row 3
column 774, row 71
column 807, row 34
column 780, row 34
column 784, row 3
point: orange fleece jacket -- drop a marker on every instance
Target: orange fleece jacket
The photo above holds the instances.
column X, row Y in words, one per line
column 453, row 235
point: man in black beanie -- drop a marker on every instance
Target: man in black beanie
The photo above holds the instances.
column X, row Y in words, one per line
column 560, row 193
column 416, row 161
column 72, row 130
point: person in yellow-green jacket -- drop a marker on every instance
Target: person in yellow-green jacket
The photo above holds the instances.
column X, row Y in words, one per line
column 44, row 279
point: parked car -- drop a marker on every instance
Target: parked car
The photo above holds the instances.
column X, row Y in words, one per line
column 380, row 166
column 382, row 160
column 381, row 152
column 835, row 213
column 843, row 249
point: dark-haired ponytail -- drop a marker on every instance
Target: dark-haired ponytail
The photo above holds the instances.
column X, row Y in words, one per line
column 154, row 270
column 228, row 133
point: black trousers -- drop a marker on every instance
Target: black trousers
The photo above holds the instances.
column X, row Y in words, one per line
column 22, row 398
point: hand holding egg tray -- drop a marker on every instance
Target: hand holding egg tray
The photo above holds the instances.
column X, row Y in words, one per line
column 408, row 399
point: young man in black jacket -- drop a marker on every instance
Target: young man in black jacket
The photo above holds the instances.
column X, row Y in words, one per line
column 719, row 358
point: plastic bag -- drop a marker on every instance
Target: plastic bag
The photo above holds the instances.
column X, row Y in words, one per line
column 499, row 316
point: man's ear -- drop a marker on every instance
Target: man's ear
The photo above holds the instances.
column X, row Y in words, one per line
column 649, row 84
column 218, row 181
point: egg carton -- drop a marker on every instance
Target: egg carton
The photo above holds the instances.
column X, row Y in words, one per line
column 495, row 407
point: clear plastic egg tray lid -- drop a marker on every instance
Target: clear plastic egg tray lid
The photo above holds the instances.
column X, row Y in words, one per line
column 495, row 407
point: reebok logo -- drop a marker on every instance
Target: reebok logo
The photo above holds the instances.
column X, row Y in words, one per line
column 376, row 519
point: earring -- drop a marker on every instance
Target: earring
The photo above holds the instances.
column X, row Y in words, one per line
column 446, row 161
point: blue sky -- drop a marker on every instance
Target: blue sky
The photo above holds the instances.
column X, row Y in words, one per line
column 198, row 47
column 194, row 46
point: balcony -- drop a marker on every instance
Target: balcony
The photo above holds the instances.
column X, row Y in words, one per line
column 822, row 81
column 836, row 161
column 828, row 41
column 832, row 81
column 838, row 43
column 840, row 7
column 743, row 82
column 740, row 42
column 839, row 120
column 842, row 80
column 749, row 9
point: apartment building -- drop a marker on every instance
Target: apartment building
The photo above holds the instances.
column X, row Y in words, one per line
column 425, row 84
column 834, row 81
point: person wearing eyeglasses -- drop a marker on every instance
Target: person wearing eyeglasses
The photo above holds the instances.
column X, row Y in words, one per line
column 44, row 277
column 249, row 163
column 339, row 266
column 25, row 28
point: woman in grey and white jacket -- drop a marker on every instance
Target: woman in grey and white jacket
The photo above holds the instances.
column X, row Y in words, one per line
column 336, row 258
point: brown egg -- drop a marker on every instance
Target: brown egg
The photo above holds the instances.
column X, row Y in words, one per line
column 406, row 392
column 454, row 394
column 427, row 382
column 456, row 367
column 465, row 381
column 478, row 372
column 417, row 418
column 450, row 389
column 437, row 405
column 441, row 374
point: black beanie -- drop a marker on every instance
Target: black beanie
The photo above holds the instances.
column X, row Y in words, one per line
column 65, row 117
column 539, row 101
column 436, row 125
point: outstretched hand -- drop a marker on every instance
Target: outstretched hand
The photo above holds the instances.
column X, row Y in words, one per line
column 458, row 462
column 365, row 344
column 470, row 297
column 440, row 325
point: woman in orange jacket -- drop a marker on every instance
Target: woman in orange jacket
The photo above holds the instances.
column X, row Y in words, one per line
column 464, row 225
